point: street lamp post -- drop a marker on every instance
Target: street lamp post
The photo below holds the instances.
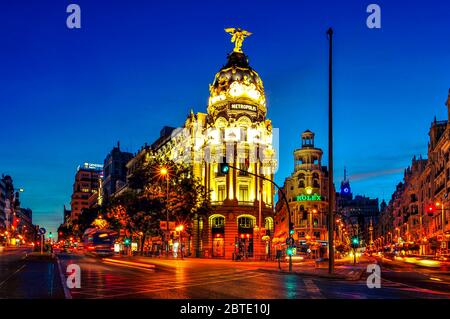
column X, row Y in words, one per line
column 165, row 172
column 330, row 157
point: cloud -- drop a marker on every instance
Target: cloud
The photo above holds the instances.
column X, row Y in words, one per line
column 375, row 174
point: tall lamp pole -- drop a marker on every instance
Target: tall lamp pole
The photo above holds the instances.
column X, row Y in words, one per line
column 330, row 157
column 165, row 172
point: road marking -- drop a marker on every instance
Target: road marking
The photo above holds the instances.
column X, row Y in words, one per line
column 415, row 288
column 9, row 277
column 67, row 294
column 179, row 286
column 128, row 266
column 129, row 263
column 312, row 289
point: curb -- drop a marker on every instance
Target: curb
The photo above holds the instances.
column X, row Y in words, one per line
column 67, row 294
column 299, row 273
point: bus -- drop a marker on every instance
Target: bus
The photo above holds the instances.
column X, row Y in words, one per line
column 99, row 242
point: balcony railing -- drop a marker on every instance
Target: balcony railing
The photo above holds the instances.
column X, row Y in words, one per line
column 240, row 203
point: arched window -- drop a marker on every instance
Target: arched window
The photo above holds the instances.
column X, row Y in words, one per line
column 268, row 224
column 301, row 180
column 218, row 222
column 316, row 183
column 245, row 222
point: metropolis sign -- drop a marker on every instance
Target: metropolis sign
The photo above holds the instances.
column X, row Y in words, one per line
column 314, row 197
column 243, row 107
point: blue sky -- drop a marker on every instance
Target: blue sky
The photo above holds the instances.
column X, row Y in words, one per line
column 67, row 96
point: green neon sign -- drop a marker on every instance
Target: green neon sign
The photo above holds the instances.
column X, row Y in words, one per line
column 314, row 197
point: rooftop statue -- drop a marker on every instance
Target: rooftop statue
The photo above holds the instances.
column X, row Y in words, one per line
column 237, row 37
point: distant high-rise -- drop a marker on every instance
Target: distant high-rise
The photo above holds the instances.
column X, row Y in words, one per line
column 67, row 214
column 115, row 171
column 87, row 181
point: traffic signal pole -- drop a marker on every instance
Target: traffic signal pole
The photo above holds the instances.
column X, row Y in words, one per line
column 284, row 198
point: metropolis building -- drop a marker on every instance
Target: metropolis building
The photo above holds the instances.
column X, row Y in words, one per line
column 234, row 130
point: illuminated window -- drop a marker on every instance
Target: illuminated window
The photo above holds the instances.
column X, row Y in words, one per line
column 268, row 224
column 243, row 193
column 218, row 222
column 221, row 194
column 245, row 222
column 243, row 134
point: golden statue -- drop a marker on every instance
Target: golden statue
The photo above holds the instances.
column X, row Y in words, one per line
column 237, row 37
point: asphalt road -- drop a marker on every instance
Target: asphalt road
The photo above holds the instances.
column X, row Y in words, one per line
column 29, row 279
column 437, row 280
column 100, row 279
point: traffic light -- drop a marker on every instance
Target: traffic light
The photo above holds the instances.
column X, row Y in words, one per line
column 291, row 229
column 50, row 235
column 290, row 251
column 430, row 210
column 224, row 168
column 355, row 241
column 126, row 241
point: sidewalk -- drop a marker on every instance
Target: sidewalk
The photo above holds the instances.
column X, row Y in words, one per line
column 305, row 268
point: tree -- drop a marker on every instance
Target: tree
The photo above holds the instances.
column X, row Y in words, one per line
column 85, row 220
column 140, row 209
column 65, row 231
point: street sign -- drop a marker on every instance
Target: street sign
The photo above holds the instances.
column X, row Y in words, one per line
column 42, row 231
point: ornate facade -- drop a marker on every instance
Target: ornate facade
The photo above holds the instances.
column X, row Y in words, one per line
column 407, row 223
column 234, row 130
column 307, row 193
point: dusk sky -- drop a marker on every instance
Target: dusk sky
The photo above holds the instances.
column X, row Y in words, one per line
column 67, row 96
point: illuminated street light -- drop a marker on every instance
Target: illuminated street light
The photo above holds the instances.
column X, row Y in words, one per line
column 165, row 172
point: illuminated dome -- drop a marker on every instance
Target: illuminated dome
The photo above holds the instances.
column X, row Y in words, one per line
column 237, row 82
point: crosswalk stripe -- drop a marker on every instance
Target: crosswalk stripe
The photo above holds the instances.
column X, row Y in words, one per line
column 312, row 289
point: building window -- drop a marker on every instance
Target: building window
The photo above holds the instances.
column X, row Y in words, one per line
column 316, row 183
column 243, row 193
column 218, row 222
column 221, row 194
column 243, row 134
column 245, row 222
column 268, row 224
